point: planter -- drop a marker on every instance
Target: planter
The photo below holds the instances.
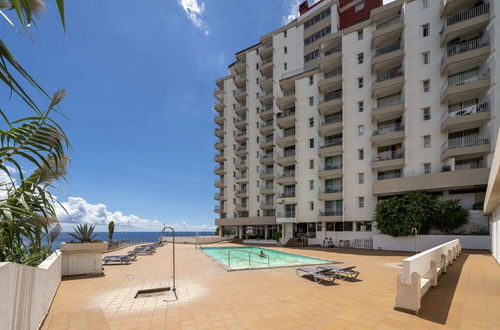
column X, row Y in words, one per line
column 82, row 258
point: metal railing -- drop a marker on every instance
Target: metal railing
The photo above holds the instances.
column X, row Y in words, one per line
column 389, row 175
column 390, row 101
column 267, row 187
column 329, row 167
column 265, row 93
column 241, row 176
column 265, row 46
column 388, row 155
column 240, row 119
column 268, row 139
column 266, row 124
column 331, row 143
column 290, row 74
column 287, row 174
column 241, row 163
column 332, row 96
column 241, row 148
column 271, row 172
column 267, row 61
column 264, row 78
column 389, row 22
column 238, row 106
column 466, row 15
column 466, row 46
column 219, row 168
column 388, row 49
column 242, row 133
column 218, row 195
column 287, row 194
column 465, row 78
column 289, row 92
column 333, row 50
column 286, row 113
column 242, row 191
column 391, row 74
column 287, row 133
column 241, row 206
column 331, row 213
column 333, row 73
column 336, row 118
column 249, row 257
column 267, row 156
column 288, row 153
column 462, row 110
column 389, row 129
column 289, row 214
column 466, row 141
column 240, row 76
column 266, row 204
column 239, row 91
column 217, row 208
column 267, row 108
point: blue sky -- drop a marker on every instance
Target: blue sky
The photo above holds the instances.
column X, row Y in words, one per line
column 140, row 78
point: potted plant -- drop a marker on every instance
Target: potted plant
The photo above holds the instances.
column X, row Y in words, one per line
column 84, row 255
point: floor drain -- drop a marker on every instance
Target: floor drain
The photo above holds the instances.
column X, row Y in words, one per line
column 152, row 292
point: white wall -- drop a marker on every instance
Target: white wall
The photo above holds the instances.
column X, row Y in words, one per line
column 425, row 242
column 27, row 292
column 495, row 234
column 196, row 239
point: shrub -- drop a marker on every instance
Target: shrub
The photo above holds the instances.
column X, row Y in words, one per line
column 277, row 235
column 84, row 233
column 450, row 215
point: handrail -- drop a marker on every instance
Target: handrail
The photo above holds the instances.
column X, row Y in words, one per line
column 333, row 73
column 249, row 259
column 389, row 22
column 266, row 124
column 389, row 101
column 290, row 74
column 331, row 213
column 269, row 60
column 388, row 155
column 390, row 48
column 466, row 15
column 466, row 46
column 333, row 50
column 465, row 141
column 330, row 143
column 465, row 77
column 265, row 93
column 462, row 111
column 391, row 74
column 332, row 96
column 389, row 129
column 335, row 118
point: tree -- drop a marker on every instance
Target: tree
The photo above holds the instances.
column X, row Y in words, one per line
column 450, row 215
column 111, row 230
column 397, row 216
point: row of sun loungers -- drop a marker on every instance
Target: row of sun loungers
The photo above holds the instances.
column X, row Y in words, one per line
column 329, row 273
column 125, row 259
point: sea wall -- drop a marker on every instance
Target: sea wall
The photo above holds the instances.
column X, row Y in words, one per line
column 425, row 242
column 196, row 239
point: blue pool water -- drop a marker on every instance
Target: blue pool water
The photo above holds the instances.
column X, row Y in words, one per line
column 248, row 257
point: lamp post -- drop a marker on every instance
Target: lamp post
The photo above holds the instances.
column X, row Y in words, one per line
column 173, row 257
column 416, row 237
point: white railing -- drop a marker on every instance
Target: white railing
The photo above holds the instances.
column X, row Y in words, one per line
column 298, row 71
column 389, row 129
column 389, row 101
column 465, row 78
column 466, row 46
column 389, row 22
column 333, row 50
column 333, row 73
column 330, row 167
column 331, row 143
column 391, row 74
column 388, row 49
column 332, row 96
column 461, row 111
column 265, row 93
column 465, row 141
column 466, row 15
column 388, row 155
column 336, row 118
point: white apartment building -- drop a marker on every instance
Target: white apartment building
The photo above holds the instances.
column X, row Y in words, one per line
column 351, row 103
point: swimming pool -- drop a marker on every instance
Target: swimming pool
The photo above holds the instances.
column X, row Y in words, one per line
column 232, row 258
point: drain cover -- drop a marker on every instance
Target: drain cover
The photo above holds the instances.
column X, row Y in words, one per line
column 152, row 292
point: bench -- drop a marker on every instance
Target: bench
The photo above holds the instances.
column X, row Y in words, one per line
column 421, row 271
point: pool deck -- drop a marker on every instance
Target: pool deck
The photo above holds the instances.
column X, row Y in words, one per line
column 467, row 297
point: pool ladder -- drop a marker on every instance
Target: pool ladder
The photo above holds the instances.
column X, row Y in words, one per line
column 249, row 258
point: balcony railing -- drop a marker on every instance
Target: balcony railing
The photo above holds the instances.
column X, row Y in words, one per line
column 466, row 15
column 242, row 133
column 390, row 101
column 268, row 139
column 465, row 47
column 287, row 194
column 287, row 174
column 388, row 155
column 241, row 148
column 332, row 96
column 219, row 182
column 389, row 22
column 389, row 175
column 219, row 195
column 241, row 163
column 331, row 213
column 286, row 113
column 269, row 60
column 330, row 167
column 388, row 49
column 271, row 172
column 239, row 91
column 265, row 93
column 289, row 153
column 242, row 191
column 461, row 111
column 267, row 108
column 389, row 129
column 331, row 190
column 264, row 78
column 219, row 168
column 465, row 78
column 242, row 176
column 391, row 74
column 266, row 46
column 266, row 204
column 266, row 124
column 267, row 187
column 466, row 141
column 337, row 118
column 217, row 208
column 242, row 206
column 267, row 156
column 306, row 68
column 335, row 72
column 289, row 92
column 332, row 50
column 289, row 214
column 331, row 143
column 239, row 106
column 240, row 119
column 240, row 76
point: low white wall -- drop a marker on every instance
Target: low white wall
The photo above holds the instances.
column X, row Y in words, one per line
column 425, row 242
column 27, row 292
column 196, row 239
column 495, row 234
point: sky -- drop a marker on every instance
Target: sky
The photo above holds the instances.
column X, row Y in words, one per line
column 140, row 78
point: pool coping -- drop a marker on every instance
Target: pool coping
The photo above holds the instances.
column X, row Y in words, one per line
column 227, row 269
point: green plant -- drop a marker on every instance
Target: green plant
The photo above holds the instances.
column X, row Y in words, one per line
column 247, row 235
column 450, row 216
column 84, row 233
column 478, row 206
column 277, row 235
column 397, row 216
column 111, row 230
column 478, row 229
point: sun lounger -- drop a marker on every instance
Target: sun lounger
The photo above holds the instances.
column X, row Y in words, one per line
column 123, row 259
column 341, row 273
column 317, row 275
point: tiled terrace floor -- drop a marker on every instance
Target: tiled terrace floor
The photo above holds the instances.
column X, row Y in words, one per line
column 467, row 297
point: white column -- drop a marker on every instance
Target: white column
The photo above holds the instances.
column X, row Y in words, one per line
column 265, row 232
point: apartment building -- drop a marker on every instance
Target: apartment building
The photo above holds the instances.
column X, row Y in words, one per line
column 351, row 103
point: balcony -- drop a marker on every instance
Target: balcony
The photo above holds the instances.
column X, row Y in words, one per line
column 331, row 125
column 389, row 134
column 219, row 196
column 465, row 55
column 266, row 50
column 330, row 171
column 473, row 144
column 465, row 86
column 466, row 117
column 331, row 103
column 219, row 183
column 392, row 29
column 267, row 205
column 286, row 198
column 388, row 159
column 330, row 215
column 267, row 174
column 241, row 136
column 330, row 59
column 241, row 164
column 286, row 118
column 242, row 207
column 266, row 142
column 286, row 139
column 219, row 119
column 240, row 80
column 240, row 94
column 241, row 193
column 266, row 66
column 467, row 22
column 219, row 132
column 287, row 158
column 451, row 6
column 266, row 82
column 267, row 190
column 287, row 100
column 286, row 217
column 220, row 170
column 388, row 83
column 266, row 97
column 288, row 79
column 387, row 57
column 241, row 178
column 219, row 106
column 266, row 128
column 240, row 66
column 332, row 81
column 330, row 147
column 219, row 157
column 241, row 151
column 218, row 209
column 267, row 112
column 240, row 109
column 267, row 158
column 241, row 122
column 287, row 178
column 388, row 108
column 459, row 179
column 219, row 145
column 219, row 93
column 331, row 193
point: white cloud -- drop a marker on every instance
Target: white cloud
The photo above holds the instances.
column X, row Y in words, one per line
column 78, row 210
column 194, row 10
column 293, row 10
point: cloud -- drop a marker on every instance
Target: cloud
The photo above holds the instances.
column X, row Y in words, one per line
column 77, row 210
column 292, row 10
column 194, row 10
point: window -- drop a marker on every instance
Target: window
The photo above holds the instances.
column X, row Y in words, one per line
column 360, row 82
column 427, row 168
column 257, row 66
column 311, row 143
column 359, row 6
column 258, row 198
column 361, row 106
column 317, row 18
column 425, row 3
column 361, row 130
column 361, row 154
column 311, row 206
column 285, row 66
column 361, row 202
column 311, row 56
column 426, row 58
column 318, row 35
column 361, row 178
column 360, row 35
column 426, row 84
column 425, row 30
column 311, row 164
column 285, row 50
column 257, row 139
column 426, row 113
column 285, row 34
column 311, row 185
column 361, row 57
column 311, row 101
column 258, row 182
column 427, row 141
column 311, row 122
column 311, row 80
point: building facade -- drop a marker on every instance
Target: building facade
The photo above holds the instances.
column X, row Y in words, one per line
column 351, row 103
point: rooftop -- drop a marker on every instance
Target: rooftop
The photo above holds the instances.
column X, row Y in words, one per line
column 467, row 297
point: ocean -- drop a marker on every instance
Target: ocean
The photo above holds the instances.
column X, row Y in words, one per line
column 132, row 236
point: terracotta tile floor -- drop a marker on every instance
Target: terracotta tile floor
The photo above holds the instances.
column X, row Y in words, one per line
column 468, row 297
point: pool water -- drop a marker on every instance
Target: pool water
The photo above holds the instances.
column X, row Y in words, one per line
column 249, row 257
